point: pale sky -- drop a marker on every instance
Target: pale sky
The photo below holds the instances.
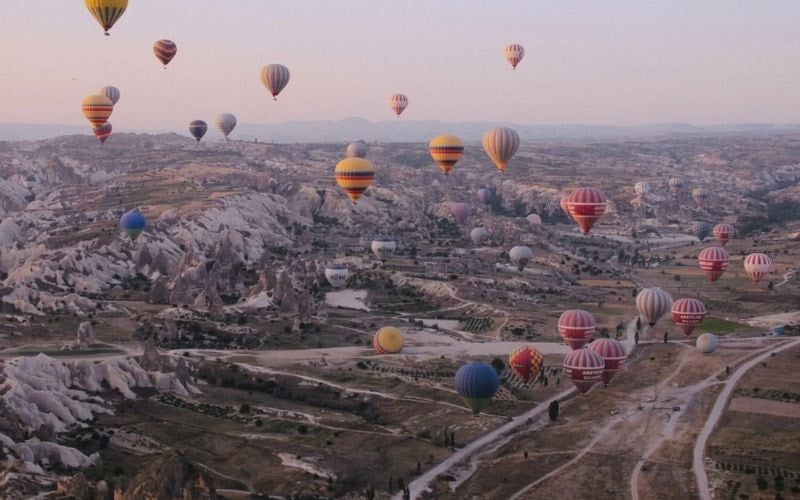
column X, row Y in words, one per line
column 621, row 62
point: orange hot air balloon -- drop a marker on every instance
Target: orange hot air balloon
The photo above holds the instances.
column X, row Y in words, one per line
column 165, row 50
column 586, row 205
column 446, row 150
column 723, row 233
column 526, row 362
column 97, row 109
column 354, row 176
column 713, row 262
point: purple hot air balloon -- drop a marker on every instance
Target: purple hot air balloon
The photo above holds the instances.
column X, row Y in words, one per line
column 485, row 195
column 460, row 211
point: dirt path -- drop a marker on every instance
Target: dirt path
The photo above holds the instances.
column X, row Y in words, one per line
column 786, row 277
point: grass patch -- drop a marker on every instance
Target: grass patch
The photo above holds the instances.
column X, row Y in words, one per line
column 722, row 326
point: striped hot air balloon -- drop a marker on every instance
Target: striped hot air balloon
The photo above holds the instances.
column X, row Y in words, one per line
column 688, row 313
column 398, row 103
column 675, row 185
column 713, row 262
column 584, row 367
column 198, row 129
column 460, row 211
column 520, row 255
column 642, row 189
column 107, row 12
column 226, row 122
column 576, row 327
column 586, row 205
column 707, row 343
column 337, row 274
column 132, row 223
column 112, row 93
column 165, row 50
column 526, row 362
column 757, row 265
column 613, row 354
column 388, row 340
column 354, row 176
column 446, row 150
column 476, row 383
column 723, row 233
column 356, row 149
column 501, row 144
column 700, row 195
column 564, row 204
column 102, row 132
column 485, row 195
column 652, row 304
column 514, row 53
column 275, row 77
column 97, row 109
column 478, row 235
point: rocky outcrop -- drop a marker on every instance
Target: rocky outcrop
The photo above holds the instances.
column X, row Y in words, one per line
column 173, row 477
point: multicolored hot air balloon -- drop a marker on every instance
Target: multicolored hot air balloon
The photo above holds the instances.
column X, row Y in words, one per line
column 520, row 255
column 226, row 122
column 446, row 150
column 476, row 383
column 707, row 343
column 97, row 109
column 198, row 129
column 485, row 195
column 102, row 132
column 675, row 185
column 165, row 50
column 383, row 248
column 388, row 340
column 354, row 176
column 688, row 313
column 478, row 235
column 526, row 362
column 398, row 103
column 107, row 12
column 652, row 304
column 713, row 262
column 534, row 220
column 642, row 189
column 275, row 77
column 460, row 211
column 356, row 149
column 501, row 144
column 700, row 195
column 584, row 367
column 514, row 53
column 586, row 205
column 613, row 354
column 723, row 233
column 132, row 223
column 112, row 93
column 337, row 274
column 576, row 327
column 757, row 265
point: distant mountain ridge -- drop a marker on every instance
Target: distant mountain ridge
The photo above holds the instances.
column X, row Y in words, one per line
column 400, row 130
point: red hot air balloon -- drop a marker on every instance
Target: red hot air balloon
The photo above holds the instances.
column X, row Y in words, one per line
column 613, row 354
column 687, row 314
column 165, row 50
column 756, row 265
column 102, row 132
column 576, row 327
column 586, row 205
column 564, row 204
column 584, row 367
column 722, row 233
column 398, row 103
column 526, row 362
column 713, row 261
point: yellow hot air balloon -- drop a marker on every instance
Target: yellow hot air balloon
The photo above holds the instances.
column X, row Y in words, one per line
column 354, row 176
column 446, row 150
column 107, row 12
column 97, row 109
column 388, row 340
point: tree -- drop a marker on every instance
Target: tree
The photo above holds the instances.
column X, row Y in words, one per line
column 498, row 364
column 552, row 410
column 245, row 408
column 770, row 286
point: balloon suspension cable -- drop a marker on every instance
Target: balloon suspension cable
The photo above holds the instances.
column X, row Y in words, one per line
column 107, row 33
column 274, row 97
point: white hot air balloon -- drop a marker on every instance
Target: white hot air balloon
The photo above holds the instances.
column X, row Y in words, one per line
column 520, row 255
column 111, row 92
column 478, row 235
column 383, row 248
column 226, row 122
column 707, row 343
column 337, row 274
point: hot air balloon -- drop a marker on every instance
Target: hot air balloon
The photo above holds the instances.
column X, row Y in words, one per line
column 460, row 211
column 757, row 265
column 501, row 145
column 576, row 327
column 485, row 195
column 700, row 195
column 102, row 132
column 165, row 50
column 97, row 109
column 723, row 233
column 675, row 185
column 356, row 149
column 520, row 255
column 688, row 314
column 30, row 181
column 514, row 54
column 112, row 93
column 613, row 354
column 337, row 274
column 275, row 77
column 586, row 205
column 132, row 223
column 526, row 362
column 713, row 262
column 198, row 129
column 354, row 176
column 383, row 248
column 701, row 230
column 226, row 122
column 388, row 340
column 584, row 367
column 107, row 12
column 478, row 235
column 564, row 203
column 707, row 343
column 534, row 219
column 398, row 103
column 642, row 189
column 476, row 383
column 446, row 150
column 652, row 304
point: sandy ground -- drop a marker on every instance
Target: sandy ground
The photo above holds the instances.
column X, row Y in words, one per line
column 773, row 320
column 758, row 405
column 349, row 299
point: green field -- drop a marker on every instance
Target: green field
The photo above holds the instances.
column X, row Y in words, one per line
column 723, row 326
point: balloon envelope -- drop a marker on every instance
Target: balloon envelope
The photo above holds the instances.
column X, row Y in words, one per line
column 514, row 53
column 275, row 77
column 723, row 233
column 165, row 50
column 478, row 235
column 613, row 354
column 226, row 122
column 576, row 327
column 485, row 195
column 586, row 205
column 388, row 340
column 713, row 262
column 501, row 144
column 757, row 265
column 688, row 313
column 383, row 248
column 520, row 255
column 356, row 149
column 398, row 103
column 460, row 211
column 132, row 223
column 354, row 176
column 198, row 129
column 446, row 150
column 707, row 343
column 653, row 304
column 584, row 367
column 107, row 12
column 526, row 362
column 102, row 132
column 476, row 383
column 337, row 274
column 112, row 93
column 97, row 109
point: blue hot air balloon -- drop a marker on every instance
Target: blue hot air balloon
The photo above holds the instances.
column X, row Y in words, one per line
column 476, row 383
column 198, row 129
column 485, row 195
column 132, row 223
